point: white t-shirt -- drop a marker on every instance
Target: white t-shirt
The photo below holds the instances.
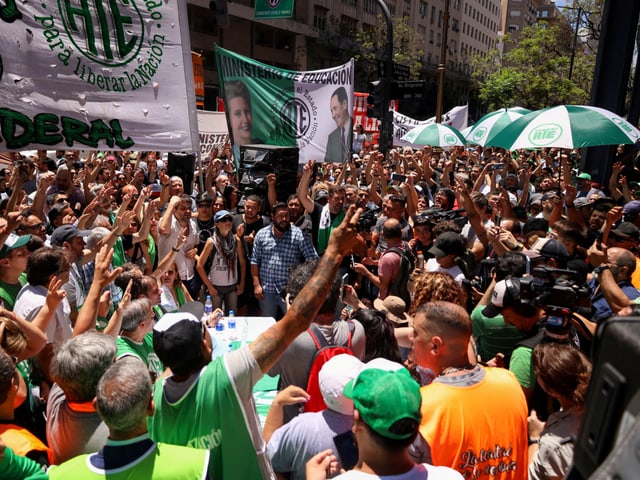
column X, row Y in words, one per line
column 455, row 272
column 422, row 471
column 29, row 302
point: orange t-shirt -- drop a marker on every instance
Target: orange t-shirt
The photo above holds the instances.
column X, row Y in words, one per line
column 480, row 430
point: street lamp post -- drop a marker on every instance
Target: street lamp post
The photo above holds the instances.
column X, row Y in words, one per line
column 575, row 42
column 442, row 66
column 386, row 132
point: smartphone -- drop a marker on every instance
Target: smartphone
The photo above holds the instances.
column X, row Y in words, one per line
column 347, row 450
column 599, row 241
column 396, row 177
column 496, row 166
column 343, row 282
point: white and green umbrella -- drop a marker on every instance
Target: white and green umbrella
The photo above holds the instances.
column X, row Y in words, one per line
column 566, row 126
column 492, row 123
column 435, row 135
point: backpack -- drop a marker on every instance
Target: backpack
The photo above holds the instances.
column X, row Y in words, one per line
column 324, row 352
column 398, row 287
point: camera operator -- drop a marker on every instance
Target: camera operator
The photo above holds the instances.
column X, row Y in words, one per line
column 493, row 336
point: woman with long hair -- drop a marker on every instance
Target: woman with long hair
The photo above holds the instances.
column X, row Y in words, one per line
column 563, row 372
column 173, row 293
column 380, row 340
column 225, row 279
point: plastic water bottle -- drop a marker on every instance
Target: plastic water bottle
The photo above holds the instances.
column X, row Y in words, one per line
column 208, row 305
column 420, row 261
column 231, row 325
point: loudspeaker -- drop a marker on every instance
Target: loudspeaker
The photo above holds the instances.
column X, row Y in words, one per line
column 610, row 407
column 257, row 161
column 182, row 165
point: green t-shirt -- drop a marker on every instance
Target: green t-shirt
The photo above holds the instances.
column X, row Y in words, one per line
column 493, row 335
column 142, row 350
column 522, row 366
column 16, row 467
column 9, row 292
column 163, row 462
column 212, row 415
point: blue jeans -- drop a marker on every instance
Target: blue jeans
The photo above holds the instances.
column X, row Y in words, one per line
column 272, row 306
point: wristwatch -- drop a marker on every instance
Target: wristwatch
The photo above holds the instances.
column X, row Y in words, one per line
column 598, row 270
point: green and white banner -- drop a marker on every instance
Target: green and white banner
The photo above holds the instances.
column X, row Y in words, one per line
column 312, row 110
column 93, row 74
column 274, row 9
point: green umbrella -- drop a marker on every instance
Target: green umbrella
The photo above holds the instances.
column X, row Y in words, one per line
column 435, row 135
column 566, row 126
column 492, row 123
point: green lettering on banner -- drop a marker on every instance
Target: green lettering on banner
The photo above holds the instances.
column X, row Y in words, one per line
column 274, row 9
column 18, row 131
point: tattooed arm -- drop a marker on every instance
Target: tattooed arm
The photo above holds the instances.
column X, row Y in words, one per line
column 269, row 346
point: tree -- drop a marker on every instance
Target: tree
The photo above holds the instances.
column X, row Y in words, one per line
column 534, row 73
column 408, row 47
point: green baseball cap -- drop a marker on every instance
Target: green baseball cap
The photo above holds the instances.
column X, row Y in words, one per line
column 388, row 402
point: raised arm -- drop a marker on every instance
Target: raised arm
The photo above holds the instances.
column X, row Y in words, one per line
column 303, row 186
column 102, row 277
column 269, row 346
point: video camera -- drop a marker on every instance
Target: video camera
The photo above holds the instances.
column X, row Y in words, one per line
column 559, row 293
column 368, row 218
column 436, row 214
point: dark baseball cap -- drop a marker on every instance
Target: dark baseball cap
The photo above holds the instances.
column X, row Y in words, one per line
column 448, row 243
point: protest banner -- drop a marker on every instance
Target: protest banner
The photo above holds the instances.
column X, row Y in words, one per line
column 212, row 128
column 96, row 75
column 267, row 105
column 456, row 117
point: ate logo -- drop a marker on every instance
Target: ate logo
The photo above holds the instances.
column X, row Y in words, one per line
column 296, row 116
column 108, row 33
column 479, row 133
column 545, row 134
column 273, row 3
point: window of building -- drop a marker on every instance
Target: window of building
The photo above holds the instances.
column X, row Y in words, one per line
column 515, row 13
column 320, row 15
column 348, row 26
column 430, row 36
column 202, row 20
column 350, row 3
column 433, row 15
column 423, row 9
column 440, row 18
column 370, row 6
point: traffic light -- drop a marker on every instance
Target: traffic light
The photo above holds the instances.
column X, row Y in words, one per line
column 375, row 107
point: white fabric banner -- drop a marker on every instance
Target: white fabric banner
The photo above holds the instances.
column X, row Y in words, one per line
column 457, row 117
column 212, row 127
column 90, row 74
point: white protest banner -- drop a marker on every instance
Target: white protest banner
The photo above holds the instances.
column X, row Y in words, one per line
column 457, row 117
column 311, row 110
column 93, row 74
column 402, row 124
column 212, row 128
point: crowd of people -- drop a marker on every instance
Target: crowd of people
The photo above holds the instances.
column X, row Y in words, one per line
column 443, row 276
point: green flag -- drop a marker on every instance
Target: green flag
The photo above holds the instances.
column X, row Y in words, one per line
column 312, row 110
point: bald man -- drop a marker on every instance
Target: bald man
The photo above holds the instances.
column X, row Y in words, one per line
column 474, row 418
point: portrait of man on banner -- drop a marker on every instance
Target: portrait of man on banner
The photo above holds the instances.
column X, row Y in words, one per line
column 340, row 140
